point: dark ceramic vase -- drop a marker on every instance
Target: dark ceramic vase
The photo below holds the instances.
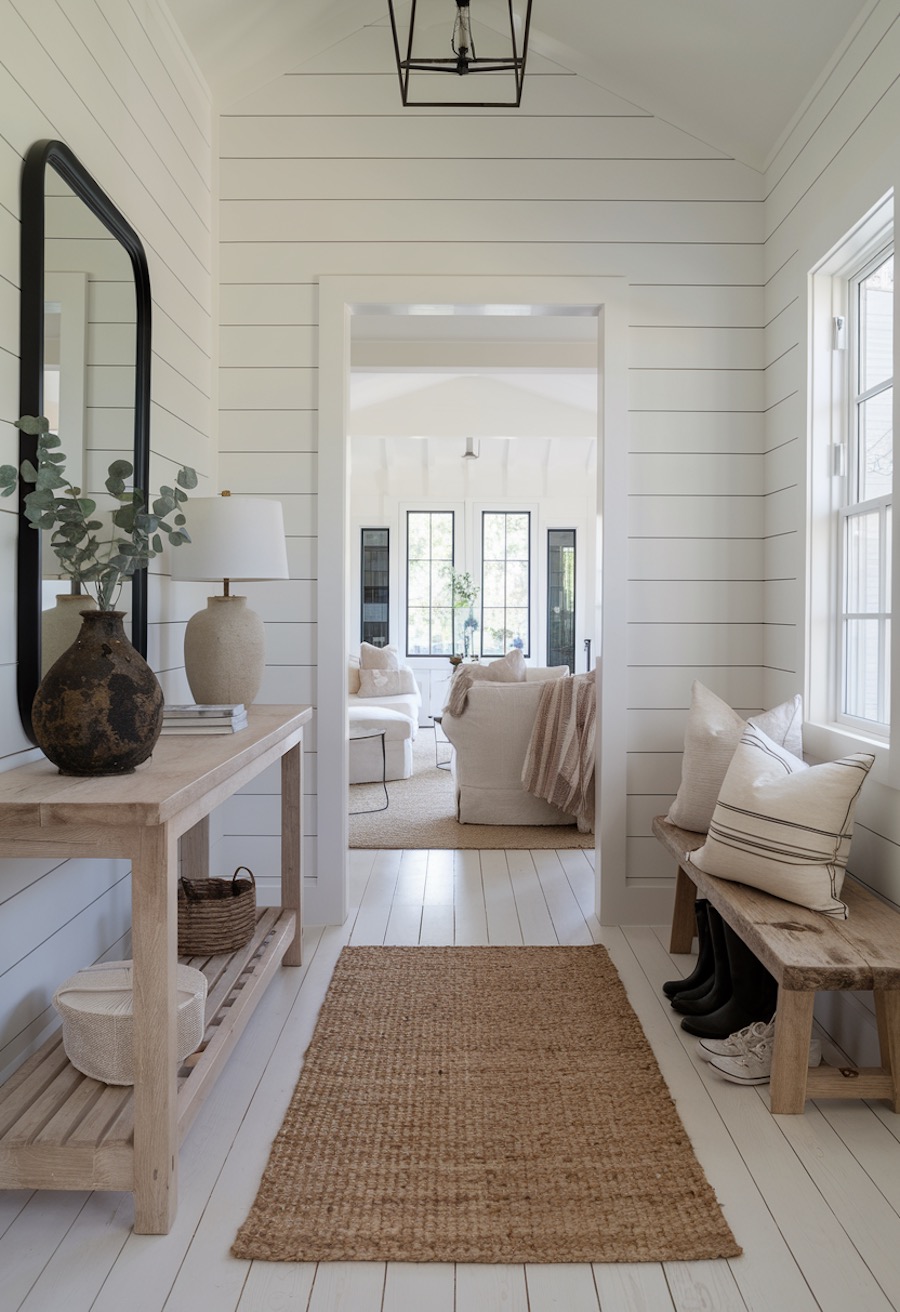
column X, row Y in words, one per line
column 99, row 708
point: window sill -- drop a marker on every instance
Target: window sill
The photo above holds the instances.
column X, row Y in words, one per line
column 828, row 742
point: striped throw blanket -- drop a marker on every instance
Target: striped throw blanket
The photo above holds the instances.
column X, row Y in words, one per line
column 559, row 763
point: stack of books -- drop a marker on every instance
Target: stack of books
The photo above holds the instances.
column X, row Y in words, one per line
column 195, row 717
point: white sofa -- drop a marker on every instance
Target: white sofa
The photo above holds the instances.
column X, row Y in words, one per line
column 490, row 739
column 397, row 715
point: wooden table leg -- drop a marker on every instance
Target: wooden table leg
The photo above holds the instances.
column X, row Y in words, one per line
column 153, row 939
column 195, row 850
column 790, row 1063
column 684, row 917
column 887, row 1014
column 291, row 841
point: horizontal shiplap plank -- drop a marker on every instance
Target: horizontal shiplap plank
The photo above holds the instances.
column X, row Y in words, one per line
column 498, row 179
column 274, row 431
column 710, row 474
column 697, row 432
column 693, row 602
column 682, row 347
column 370, row 136
column 696, row 307
column 694, row 644
column 654, row 688
column 696, row 389
column 298, row 261
column 695, row 558
column 692, row 516
column 544, row 219
column 282, row 303
column 268, row 346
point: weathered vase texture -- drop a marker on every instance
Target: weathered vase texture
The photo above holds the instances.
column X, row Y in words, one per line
column 99, row 709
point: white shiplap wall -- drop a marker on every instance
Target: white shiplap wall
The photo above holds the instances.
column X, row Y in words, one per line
column 112, row 80
column 323, row 173
column 839, row 159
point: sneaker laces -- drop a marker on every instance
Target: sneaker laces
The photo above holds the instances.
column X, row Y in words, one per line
column 751, row 1037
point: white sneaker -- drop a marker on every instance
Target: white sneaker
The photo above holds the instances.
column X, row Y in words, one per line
column 754, row 1065
column 738, row 1043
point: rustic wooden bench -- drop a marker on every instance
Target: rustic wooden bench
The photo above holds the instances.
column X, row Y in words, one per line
column 804, row 951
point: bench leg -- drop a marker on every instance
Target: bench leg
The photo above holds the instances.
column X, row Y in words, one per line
column 793, row 1031
column 887, row 1013
column 684, row 919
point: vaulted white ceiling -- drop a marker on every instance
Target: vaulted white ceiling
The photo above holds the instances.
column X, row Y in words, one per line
column 734, row 73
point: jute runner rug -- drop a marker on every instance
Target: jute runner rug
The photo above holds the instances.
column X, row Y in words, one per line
column 481, row 1105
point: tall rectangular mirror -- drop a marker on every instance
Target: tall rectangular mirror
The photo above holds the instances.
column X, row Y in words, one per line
column 85, row 364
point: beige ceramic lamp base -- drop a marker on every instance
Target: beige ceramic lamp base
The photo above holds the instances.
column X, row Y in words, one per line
column 225, row 652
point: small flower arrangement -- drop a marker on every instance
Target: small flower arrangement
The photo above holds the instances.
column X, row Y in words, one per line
column 97, row 554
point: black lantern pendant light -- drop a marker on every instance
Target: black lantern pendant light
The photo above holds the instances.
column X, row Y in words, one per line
column 502, row 58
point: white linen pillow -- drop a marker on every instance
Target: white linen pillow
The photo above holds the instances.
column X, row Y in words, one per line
column 783, row 826
column 378, row 658
column 386, row 683
column 508, row 669
column 711, row 735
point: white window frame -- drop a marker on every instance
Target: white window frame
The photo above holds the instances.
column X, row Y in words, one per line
column 496, row 508
column 854, row 508
column 827, row 732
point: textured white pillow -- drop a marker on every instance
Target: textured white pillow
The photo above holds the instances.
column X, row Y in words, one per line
column 784, row 826
column 378, row 658
column 508, row 669
column 712, row 733
column 386, row 683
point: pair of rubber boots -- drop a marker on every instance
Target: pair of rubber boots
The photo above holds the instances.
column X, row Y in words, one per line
column 728, row 988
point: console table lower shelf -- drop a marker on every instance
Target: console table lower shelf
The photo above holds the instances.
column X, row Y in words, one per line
column 60, row 1129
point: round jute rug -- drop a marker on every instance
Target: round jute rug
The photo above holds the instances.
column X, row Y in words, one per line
column 486, row 1104
column 422, row 813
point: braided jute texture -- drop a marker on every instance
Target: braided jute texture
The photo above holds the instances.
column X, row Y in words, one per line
column 483, row 1104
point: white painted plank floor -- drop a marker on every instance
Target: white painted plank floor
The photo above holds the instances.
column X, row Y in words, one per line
column 814, row 1200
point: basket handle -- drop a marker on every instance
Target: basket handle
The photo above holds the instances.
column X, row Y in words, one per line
column 236, row 892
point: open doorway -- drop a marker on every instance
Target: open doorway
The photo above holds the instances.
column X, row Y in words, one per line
column 341, row 301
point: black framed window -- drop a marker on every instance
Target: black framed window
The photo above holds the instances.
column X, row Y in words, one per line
column 429, row 589
column 375, row 561
column 561, row 597
column 505, row 581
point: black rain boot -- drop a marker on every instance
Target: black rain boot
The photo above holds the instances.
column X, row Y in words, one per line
column 703, row 969
column 754, row 995
column 701, row 1001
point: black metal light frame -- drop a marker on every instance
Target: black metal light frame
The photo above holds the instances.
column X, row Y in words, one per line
column 461, row 62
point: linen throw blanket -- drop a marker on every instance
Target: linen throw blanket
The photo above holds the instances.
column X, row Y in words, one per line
column 559, row 763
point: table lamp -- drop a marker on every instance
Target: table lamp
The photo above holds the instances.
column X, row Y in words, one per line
column 233, row 539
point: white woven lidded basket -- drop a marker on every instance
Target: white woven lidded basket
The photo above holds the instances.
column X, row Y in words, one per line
column 98, row 1022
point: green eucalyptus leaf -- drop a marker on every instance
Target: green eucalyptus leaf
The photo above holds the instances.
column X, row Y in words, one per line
column 33, row 424
column 121, row 469
column 187, row 477
column 116, row 486
column 157, row 544
column 28, row 471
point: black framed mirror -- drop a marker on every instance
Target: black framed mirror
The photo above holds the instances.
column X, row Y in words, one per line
column 84, row 278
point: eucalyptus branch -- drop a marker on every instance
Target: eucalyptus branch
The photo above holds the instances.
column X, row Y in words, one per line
column 56, row 506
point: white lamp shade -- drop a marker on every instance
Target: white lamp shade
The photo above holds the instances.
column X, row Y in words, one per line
column 232, row 538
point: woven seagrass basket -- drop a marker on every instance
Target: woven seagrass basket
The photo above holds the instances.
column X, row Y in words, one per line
column 215, row 915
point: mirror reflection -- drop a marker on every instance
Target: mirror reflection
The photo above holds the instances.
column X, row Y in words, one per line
column 88, row 374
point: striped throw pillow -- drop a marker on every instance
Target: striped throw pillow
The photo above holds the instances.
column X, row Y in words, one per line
column 783, row 826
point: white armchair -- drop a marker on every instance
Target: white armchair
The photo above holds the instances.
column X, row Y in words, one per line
column 490, row 738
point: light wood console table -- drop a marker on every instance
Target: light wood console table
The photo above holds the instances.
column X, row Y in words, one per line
column 60, row 1129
